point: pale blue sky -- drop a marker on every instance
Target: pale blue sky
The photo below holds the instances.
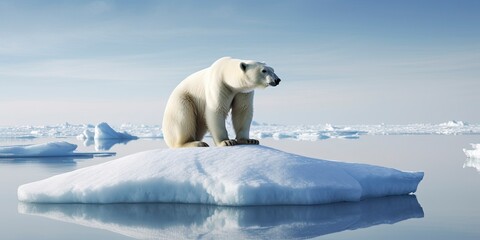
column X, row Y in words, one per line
column 341, row 62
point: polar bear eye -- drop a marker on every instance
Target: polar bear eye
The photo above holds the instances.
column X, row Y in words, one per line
column 264, row 71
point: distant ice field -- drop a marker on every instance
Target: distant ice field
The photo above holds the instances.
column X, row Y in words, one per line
column 258, row 130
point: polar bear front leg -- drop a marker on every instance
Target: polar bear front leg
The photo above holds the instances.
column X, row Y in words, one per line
column 216, row 126
column 242, row 114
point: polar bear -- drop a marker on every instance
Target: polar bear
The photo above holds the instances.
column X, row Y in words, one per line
column 202, row 101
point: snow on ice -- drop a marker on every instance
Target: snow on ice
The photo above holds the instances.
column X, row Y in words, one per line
column 235, row 176
column 51, row 149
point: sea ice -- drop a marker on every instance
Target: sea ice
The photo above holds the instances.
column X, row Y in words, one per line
column 46, row 149
column 51, row 149
column 257, row 130
column 86, row 135
column 236, row 176
column 474, row 153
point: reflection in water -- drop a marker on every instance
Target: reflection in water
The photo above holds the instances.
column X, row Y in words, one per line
column 106, row 144
column 54, row 161
column 43, row 160
column 473, row 163
column 180, row 221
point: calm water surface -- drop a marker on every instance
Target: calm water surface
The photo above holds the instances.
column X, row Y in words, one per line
column 444, row 207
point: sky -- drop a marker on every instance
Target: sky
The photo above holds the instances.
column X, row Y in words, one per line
column 340, row 61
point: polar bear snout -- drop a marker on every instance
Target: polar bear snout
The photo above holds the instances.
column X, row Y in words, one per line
column 272, row 79
column 274, row 82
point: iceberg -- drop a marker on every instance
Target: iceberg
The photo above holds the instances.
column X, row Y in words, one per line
column 474, row 153
column 233, row 176
column 197, row 221
column 86, row 135
column 104, row 137
column 104, row 131
column 50, row 149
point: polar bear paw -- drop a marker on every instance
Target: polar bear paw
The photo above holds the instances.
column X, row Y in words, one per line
column 195, row 144
column 228, row 142
column 248, row 141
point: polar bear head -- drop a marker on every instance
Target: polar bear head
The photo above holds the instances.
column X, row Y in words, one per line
column 258, row 75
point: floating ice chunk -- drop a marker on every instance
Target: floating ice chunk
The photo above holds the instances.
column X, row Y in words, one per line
column 196, row 221
column 51, row 149
column 86, row 135
column 261, row 134
column 282, row 135
column 473, row 157
column 308, row 136
column 453, row 123
column 104, row 131
column 474, row 153
column 241, row 175
column 45, row 149
column 105, row 137
column 330, row 127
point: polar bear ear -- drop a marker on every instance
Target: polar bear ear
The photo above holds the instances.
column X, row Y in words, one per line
column 243, row 66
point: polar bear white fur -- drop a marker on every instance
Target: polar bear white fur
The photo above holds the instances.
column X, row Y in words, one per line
column 202, row 101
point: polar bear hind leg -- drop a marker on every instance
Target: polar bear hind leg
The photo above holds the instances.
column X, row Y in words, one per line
column 183, row 128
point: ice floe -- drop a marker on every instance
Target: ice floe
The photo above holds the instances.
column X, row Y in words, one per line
column 196, row 221
column 104, row 137
column 104, row 131
column 474, row 153
column 51, row 149
column 235, row 176
column 86, row 135
column 257, row 130
column 473, row 157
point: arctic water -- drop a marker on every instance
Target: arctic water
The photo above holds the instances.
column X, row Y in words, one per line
column 445, row 205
